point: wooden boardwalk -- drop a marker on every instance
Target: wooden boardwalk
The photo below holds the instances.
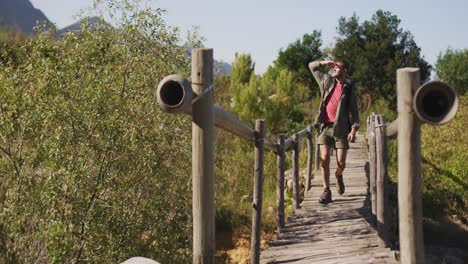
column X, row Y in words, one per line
column 340, row 232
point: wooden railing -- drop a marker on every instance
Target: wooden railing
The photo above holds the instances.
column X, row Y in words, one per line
column 378, row 176
column 175, row 94
column 282, row 146
column 433, row 103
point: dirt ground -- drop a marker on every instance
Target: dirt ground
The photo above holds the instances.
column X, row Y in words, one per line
column 235, row 247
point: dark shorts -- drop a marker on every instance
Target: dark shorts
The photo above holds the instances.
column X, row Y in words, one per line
column 326, row 138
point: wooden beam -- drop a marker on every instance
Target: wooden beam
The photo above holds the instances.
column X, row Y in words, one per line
column 392, row 129
column 303, row 132
column 270, row 144
column 175, row 95
column 231, row 123
column 290, row 141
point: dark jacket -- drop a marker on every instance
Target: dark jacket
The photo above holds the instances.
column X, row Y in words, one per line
column 347, row 105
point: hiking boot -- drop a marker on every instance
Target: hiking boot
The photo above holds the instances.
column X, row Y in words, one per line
column 340, row 188
column 326, row 196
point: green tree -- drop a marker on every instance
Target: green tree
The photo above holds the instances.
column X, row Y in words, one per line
column 283, row 109
column 245, row 88
column 452, row 67
column 249, row 103
column 445, row 185
column 275, row 99
column 375, row 49
column 242, row 69
column 296, row 58
column 84, row 171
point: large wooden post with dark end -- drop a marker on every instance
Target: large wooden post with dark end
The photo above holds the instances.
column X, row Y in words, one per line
column 310, row 150
column 280, row 155
column 409, row 169
column 295, row 165
column 257, row 196
column 204, row 248
column 382, row 181
column 372, row 165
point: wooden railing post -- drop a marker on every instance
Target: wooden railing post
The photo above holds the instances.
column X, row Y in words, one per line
column 280, row 155
column 317, row 151
column 409, row 168
column 309, row 158
column 382, row 182
column 257, row 196
column 295, row 163
column 372, row 165
column 204, row 248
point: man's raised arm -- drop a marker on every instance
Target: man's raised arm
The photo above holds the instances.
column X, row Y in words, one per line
column 314, row 68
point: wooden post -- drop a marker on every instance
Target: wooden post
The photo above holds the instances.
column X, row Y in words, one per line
column 369, row 118
column 382, row 182
column 409, row 169
column 372, row 165
column 280, row 183
column 295, row 162
column 309, row 158
column 204, row 248
column 257, row 196
column 317, row 152
column 368, row 145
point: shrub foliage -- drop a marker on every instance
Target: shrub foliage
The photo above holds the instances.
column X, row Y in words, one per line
column 91, row 170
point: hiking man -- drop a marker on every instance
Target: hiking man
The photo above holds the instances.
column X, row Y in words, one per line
column 336, row 127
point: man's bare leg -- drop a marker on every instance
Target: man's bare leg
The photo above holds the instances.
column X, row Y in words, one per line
column 325, row 165
column 340, row 161
column 341, row 164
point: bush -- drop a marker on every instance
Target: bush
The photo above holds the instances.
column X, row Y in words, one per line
column 91, row 170
column 445, row 179
column 444, row 166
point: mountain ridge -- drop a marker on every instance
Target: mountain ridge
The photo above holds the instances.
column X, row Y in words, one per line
column 21, row 15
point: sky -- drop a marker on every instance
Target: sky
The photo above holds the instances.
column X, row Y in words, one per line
column 263, row 27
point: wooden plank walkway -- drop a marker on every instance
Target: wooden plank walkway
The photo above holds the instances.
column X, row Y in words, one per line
column 339, row 232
